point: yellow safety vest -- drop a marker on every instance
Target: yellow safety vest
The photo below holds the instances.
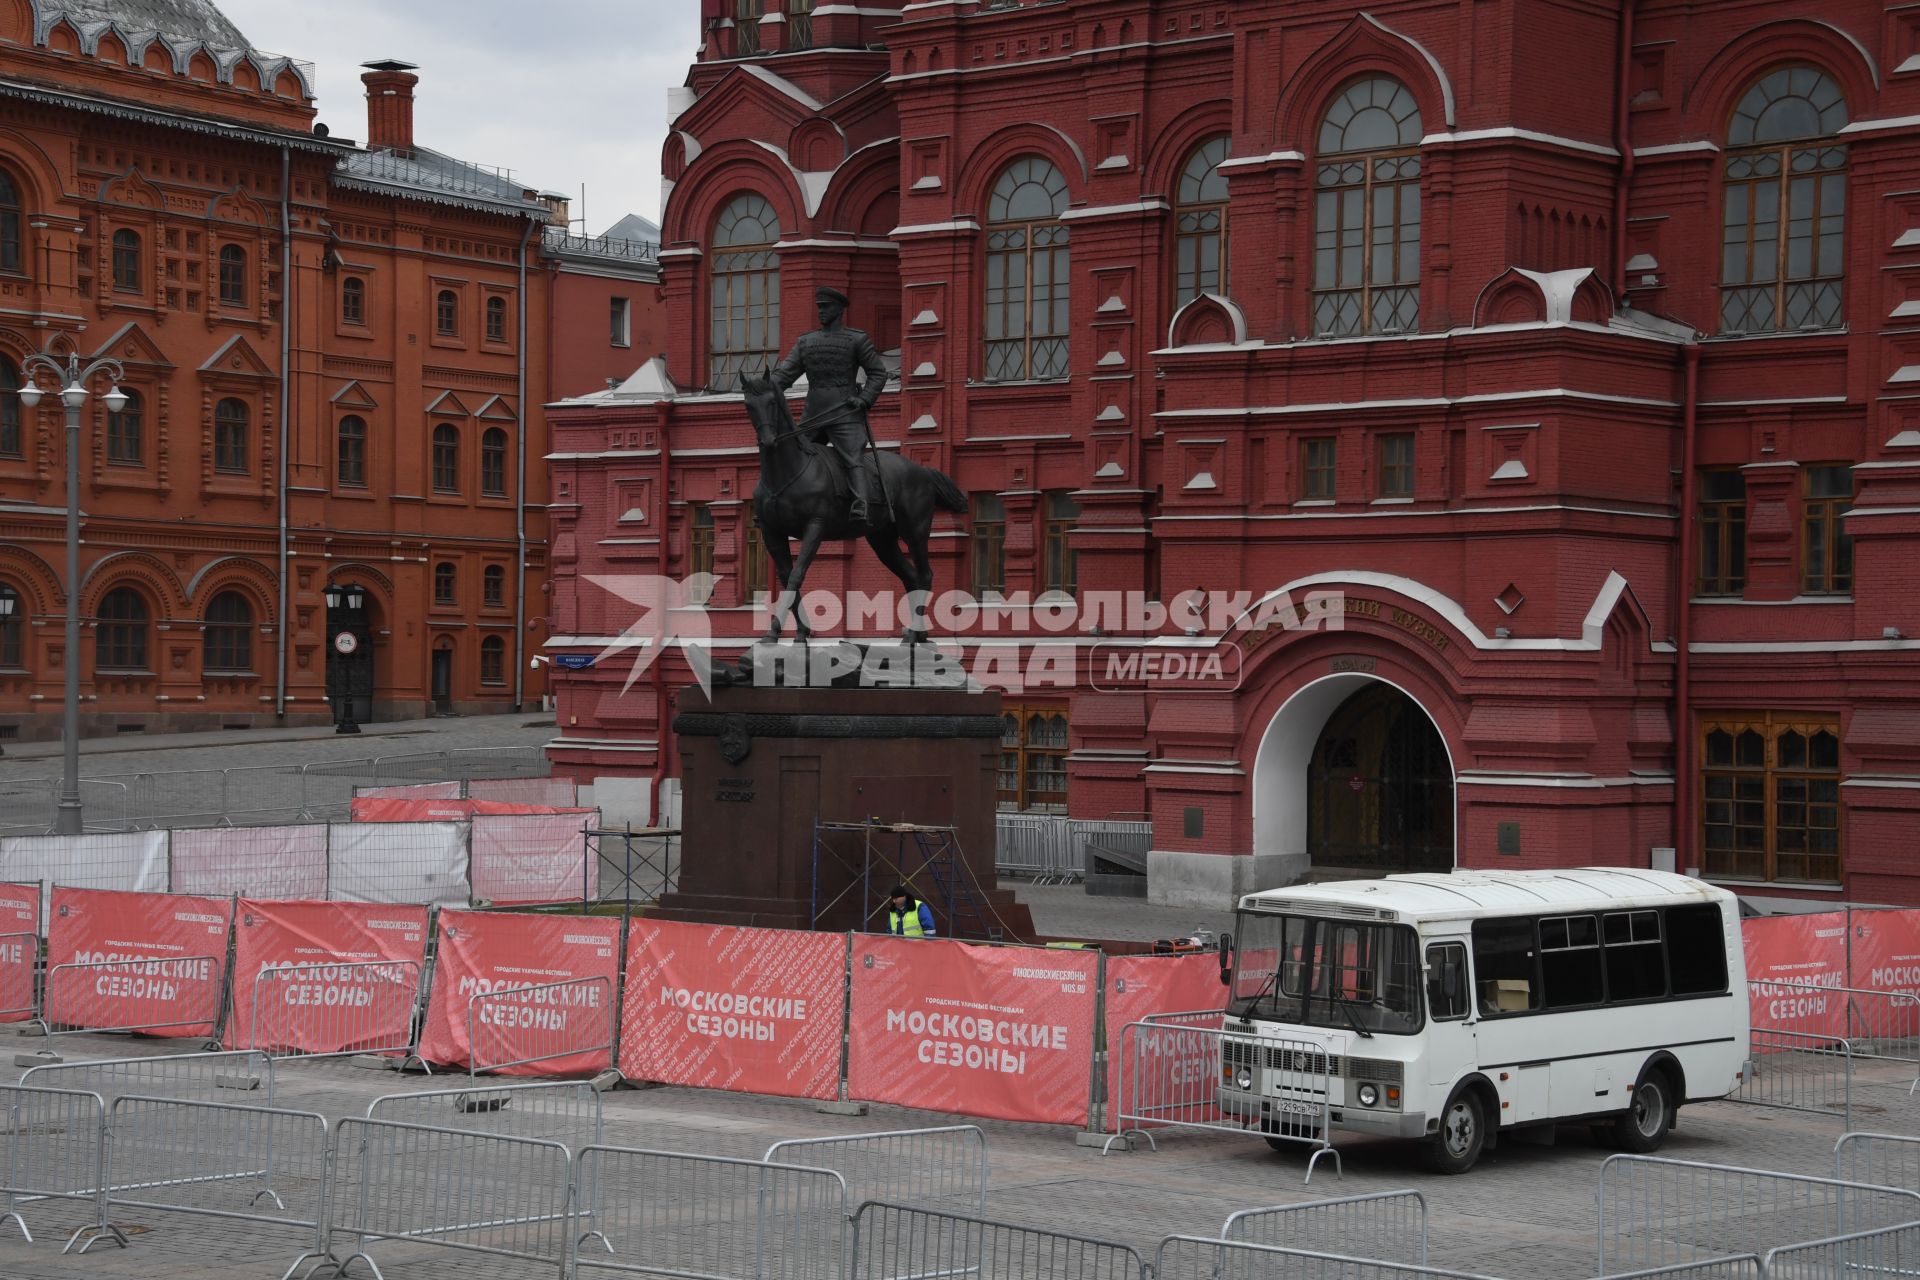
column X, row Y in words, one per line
column 907, row 926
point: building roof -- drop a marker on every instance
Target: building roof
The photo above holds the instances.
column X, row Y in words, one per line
column 429, row 175
column 1460, row 894
column 633, row 227
column 199, row 20
column 630, row 246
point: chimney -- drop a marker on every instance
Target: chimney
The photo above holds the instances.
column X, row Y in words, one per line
column 389, row 104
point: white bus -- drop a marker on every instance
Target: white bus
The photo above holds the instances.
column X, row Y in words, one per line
column 1452, row 1007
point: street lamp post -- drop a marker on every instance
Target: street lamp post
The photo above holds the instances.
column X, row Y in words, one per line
column 73, row 394
column 346, row 643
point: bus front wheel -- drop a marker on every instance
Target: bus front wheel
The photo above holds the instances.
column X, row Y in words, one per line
column 1643, row 1126
column 1462, row 1136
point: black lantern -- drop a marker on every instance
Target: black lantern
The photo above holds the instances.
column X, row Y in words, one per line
column 355, row 597
column 332, row 596
column 6, row 602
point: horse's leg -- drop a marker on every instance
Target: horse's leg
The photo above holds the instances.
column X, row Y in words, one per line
column 809, row 544
column 887, row 550
column 782, row 557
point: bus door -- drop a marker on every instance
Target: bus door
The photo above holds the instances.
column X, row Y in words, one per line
column 1450, row 1051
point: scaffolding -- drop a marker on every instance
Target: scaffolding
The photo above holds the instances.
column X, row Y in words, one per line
column 929, row 852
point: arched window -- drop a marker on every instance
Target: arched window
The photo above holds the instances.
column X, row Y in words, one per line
column 10, row 406
column 493, row 586
column 233, row 276
column 446, row 458
column 126, row 261
column 124, row 442
column 229, row 634
column 493, row 660
column 1783, row 232
column 1027, row 274
column 745, row 324
column 446, row 314
column 353, row 300
column 13, row 627
column 351, row 439
column 1366, row 250
column 120, row 640
column 493, row 463
column 230, row 437
column 443, row 583
column 496, row 319
column 10, row 246
column 1200, row 225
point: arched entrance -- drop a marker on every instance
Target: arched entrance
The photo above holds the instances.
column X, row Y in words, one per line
column 1352, row 774
column 1380, row 788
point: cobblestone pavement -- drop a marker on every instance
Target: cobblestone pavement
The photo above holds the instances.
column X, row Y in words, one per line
column 1527, row 1213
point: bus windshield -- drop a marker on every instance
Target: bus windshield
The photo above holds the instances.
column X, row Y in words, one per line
column 1342, row 974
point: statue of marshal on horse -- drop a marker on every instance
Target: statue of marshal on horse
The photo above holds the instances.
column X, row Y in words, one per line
column 822, row 478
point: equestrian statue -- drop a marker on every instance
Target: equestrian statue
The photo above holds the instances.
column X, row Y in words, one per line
column 823, row 479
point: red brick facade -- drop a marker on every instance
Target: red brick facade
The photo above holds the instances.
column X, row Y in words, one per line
column 1620, row 484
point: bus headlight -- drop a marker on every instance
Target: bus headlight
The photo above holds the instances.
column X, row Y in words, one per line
column 1369, row 1095
column 1244, row 1080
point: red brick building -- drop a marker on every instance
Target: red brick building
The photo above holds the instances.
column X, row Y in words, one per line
column 337, row 356
column 1573, row 347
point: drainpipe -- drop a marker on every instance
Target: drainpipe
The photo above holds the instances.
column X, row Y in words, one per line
column 662, row 752
column 1621, row 140
column 520, row 495
column 1683, row 781
column 286, row 389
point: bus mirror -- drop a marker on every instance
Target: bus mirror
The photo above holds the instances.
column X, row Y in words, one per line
column 1226, row 959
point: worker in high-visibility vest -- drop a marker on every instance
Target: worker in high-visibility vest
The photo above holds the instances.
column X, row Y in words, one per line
column 906, row 917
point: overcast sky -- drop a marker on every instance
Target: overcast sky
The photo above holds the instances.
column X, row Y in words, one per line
column 562, row 94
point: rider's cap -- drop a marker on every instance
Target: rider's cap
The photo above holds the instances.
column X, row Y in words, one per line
column 824, row 294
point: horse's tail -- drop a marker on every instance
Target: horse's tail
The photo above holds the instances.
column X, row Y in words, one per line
column 946, row 494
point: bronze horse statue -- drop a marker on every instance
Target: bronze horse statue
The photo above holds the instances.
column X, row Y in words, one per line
column 804, row 495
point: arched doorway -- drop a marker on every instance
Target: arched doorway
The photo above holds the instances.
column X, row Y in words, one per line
column 1380, row 787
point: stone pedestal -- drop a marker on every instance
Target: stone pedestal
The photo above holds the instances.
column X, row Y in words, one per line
column 759, row 765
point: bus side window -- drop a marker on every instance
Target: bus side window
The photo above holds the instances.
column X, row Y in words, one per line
column 1503, row 960
column 1697, row 950
column 1447, row 980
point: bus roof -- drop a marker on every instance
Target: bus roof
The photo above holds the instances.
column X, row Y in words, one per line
column 1466, row 894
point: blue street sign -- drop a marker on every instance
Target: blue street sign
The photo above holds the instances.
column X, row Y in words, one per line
column 573, row 661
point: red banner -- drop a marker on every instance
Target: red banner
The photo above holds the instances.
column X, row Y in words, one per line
column 19, row 949
column 1884, row 955
column 717, row 1007
column 398, row 809
column 574, row 963
column 344, row 976
column 137, row 961
column 1179, row 1069
column 1804, row 951
column 521, row 858
column 1003, row 1033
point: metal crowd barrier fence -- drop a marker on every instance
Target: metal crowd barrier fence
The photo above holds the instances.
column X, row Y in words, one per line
column 539, row 1023
column 684, row 1215
column 186, row 1157
column 182, row 1077
column 1883, row 1159
column 926, row 1168
column 55, row 1142
column 301, row 1010
column 1655, row 1212
column 1388, row 1225
column 1171, row 1076
column 507, row 1197
column 1198, row 1258
column 1890, row 1251
column 1878, row 1024
column 100, row 995
column 1798, row 1071
column 1743, row 1267
column 566, row 1112
column 19, row 953
column 894, row 1242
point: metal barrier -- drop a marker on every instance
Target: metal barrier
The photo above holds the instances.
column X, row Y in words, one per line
column 542, row 1018
column 87, row 995
column 1890, row 1251
column 55, row 1143
column 1388, row 1225
column 1878, row 1024
column 508, row 1197
column 185, row 1157
column 1655, row 1212
column 1198, row 1258
column 299, row 1010
column 684, row 1215
column 925, row 1168
column 566, row 1112
column 183, row 1077
column 1170, row 1076
column 1798, row 1071
column 1052, row 848
column 1743, row 1267
column 19, row 953
column 894, row 1242
column 1882, row 1159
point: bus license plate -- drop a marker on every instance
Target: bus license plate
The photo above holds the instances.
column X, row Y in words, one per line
column 1293, row 1108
